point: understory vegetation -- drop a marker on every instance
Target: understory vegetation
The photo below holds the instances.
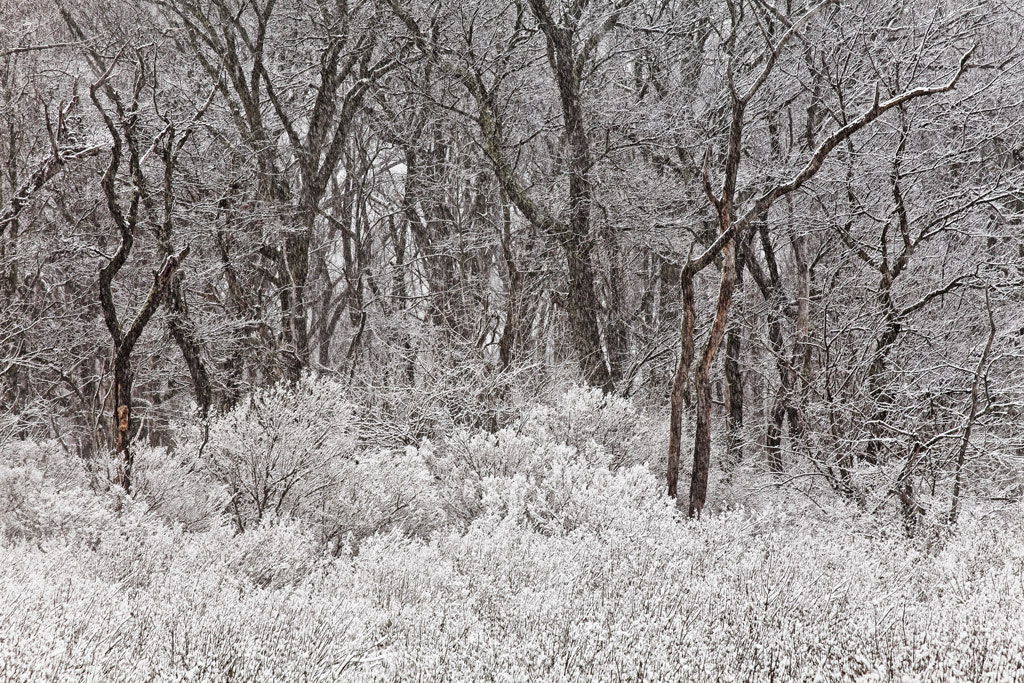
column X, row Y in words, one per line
column 292, row 541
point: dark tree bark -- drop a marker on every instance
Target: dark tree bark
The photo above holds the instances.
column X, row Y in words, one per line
column 124, row 344
column 680, row 382
column 182, row 330
column 702, row 381
column 179, row 322
column 230, row 46
column 734, row 385
column 568, row 58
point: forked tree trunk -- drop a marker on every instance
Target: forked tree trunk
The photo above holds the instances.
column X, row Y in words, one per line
column 730, row 229
column 124, row 344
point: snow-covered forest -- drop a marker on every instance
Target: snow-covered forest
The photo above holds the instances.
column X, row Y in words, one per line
column 511, row 340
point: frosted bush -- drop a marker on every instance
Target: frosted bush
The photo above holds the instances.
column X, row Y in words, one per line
column 467, row 461
column 559, row 561
column 280, row 449
column 296, row 451
column 732, row 598
column 452, row 392
column 199, row 616
column 377, row 491
column 134, row 547
column 45, row 493
column 275, row 554
column 32, row 508
column 781, row 594
column 177, row 489
column 559, row 455
column 591, row 422
column 570, row 494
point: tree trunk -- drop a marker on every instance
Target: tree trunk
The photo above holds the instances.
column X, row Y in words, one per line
column 513, row 305
column 178, row 322
column 781, row 407
column 122, row 393
column 294, row 270
column 582, row 301
column 702, row 378
column 732, row 369
column 680, row 388
column 801, row 362
column 183, row 334
column 972, row 412
column 880, row 397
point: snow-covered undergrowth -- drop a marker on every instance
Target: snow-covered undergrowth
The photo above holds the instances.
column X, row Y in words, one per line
column 545, row 551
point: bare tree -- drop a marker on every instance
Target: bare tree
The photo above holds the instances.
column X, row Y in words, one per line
column 125, row 214
column 733, row 226
column 230, row 43
column 571, row 39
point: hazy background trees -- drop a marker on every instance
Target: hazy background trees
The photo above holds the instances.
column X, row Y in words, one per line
column 435, row 201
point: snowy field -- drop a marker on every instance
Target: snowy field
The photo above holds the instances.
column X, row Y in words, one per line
column 548, row 552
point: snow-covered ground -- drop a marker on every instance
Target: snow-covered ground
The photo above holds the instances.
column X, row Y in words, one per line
column 532, row 558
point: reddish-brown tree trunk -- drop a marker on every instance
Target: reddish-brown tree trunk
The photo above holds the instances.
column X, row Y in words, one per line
column 702, row 380
column 680, row 392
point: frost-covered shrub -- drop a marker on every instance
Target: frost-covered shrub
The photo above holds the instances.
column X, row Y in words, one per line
column 465, row 461
column 591, row 422
column 33, row 508
column 45, row 493
column 558, row 457
column 560, row 561
column 776, row 596
column 786, row 592
column 199, row 615
column 279, row 451
column 377, row 491
column 571, row 495
column 176, row 488
column 297, row 451
column 134, row 547
column 277, row 553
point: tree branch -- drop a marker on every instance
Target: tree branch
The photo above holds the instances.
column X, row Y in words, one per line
column 161, row 280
